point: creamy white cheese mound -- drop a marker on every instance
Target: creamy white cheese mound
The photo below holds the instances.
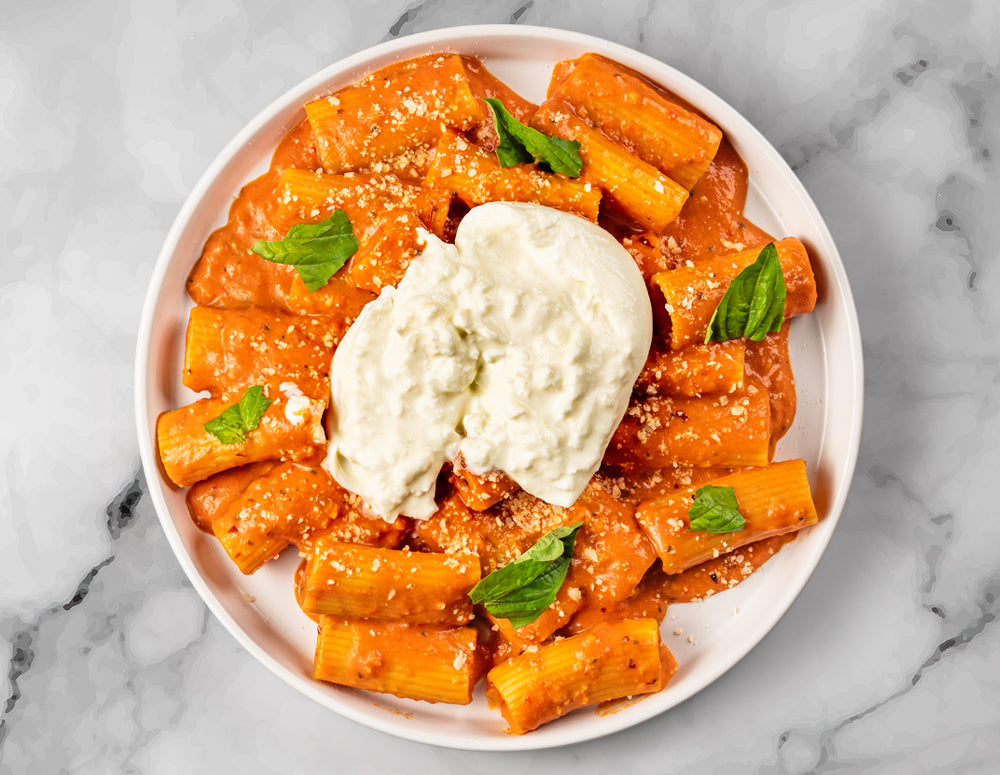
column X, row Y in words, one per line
column 516, row 346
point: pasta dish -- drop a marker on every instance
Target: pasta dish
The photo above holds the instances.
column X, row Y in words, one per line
column 554, row 607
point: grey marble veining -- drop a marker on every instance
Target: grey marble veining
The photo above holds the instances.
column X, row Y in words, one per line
column 889, row 112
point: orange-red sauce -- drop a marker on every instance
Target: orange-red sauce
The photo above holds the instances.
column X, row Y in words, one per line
column 615, row 573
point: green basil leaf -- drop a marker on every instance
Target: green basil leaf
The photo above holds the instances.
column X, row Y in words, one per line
column 523, row 589
column 316, row 250
column 510, row 151
column 228, row 427
column 715, row 510
column 532, row 599
column 232, row 425
column 754, row 303
column 519, row 143
column 252, row 406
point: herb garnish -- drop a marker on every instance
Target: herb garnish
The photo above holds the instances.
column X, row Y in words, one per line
column 232, row 425
column 519, row 143
column 524, row 588
column 316, row 250
column 754, row 303
column 715, row 510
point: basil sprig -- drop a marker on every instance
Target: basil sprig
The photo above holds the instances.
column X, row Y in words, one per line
column 519, row 143
column 316, row 250
column 525, row 587
column 232, row 425
column 754, row 303
column 715, row 510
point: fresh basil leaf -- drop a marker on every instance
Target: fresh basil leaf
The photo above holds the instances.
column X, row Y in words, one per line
column 510, row 151
column 519, row 143
column 527, row 567
column 252, row 406
column 715, row 510
column 532, row 599
column 524, row 588
column 754, row 303
column 232, row 425
column 228, row 427
column 316, row 250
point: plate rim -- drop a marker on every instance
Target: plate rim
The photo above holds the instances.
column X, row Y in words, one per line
column 459, row 38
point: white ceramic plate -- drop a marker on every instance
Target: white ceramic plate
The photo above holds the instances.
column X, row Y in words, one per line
column 260, row 610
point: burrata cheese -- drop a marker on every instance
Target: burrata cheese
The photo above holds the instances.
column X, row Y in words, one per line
column 517, row 346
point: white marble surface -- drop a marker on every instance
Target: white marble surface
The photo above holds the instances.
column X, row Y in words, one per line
column 889, row 662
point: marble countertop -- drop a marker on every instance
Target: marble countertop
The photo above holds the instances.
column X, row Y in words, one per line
column 889, row 661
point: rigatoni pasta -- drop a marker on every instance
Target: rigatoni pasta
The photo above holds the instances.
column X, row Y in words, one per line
column 723, row 429
column 359, row 582
column 773, row 500
column 695, row 370
column 427, row 662
column 189, row 454
column 476, row 177
column 294, row 503
column 286, row 347
column 632, row 187
column 607, row 661
column 408, row 104
column 407, row 152
column 632, row 111
column 692, row 292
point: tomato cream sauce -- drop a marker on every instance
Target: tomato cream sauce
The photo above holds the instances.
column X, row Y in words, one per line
column 471, row 304
column 711, row 221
